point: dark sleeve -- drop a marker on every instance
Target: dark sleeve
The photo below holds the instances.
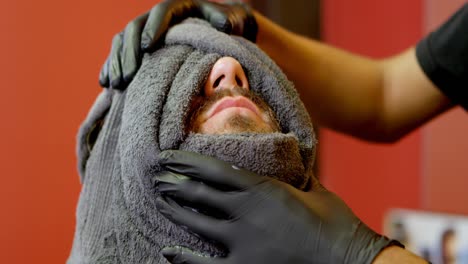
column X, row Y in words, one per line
column 443, row 56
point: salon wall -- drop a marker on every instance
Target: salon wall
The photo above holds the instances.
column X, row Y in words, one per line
column 51, row 52
column 445, row 144
column 426, row 169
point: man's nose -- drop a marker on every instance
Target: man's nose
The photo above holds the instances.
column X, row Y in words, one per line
column 226, row 73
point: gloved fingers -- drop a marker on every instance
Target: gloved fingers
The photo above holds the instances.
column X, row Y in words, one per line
column 104, row 74
column 115, row 69
column 207, row 169
column 162, row 16
column 157, row 23
column 131, row 52
column 200, row 224
column 250, row 26
column 217, row 15
column 199, row 195
column 179, row 255
column 316, row 185
column 231, row 17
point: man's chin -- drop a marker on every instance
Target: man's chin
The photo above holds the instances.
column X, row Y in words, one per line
column 234, row 124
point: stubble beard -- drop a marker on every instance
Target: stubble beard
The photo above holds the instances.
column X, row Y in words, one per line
column 235, row 124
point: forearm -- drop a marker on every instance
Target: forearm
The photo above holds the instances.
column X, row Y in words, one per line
column 363, row 97
column 396, row 254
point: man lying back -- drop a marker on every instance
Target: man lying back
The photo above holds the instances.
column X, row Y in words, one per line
column 202, row 91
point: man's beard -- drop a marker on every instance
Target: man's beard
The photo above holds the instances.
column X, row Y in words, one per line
column 237, row 123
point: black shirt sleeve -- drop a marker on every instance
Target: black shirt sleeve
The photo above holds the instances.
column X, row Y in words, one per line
column 443, row 56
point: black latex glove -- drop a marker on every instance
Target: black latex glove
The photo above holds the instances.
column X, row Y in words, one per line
column 264, row 220
column 144, row 33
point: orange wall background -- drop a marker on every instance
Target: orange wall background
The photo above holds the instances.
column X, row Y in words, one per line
column 51, row 53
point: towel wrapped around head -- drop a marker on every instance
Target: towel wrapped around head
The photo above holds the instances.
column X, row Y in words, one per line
column 120, row 140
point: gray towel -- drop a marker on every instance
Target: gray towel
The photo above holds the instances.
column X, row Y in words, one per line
column 119, row 143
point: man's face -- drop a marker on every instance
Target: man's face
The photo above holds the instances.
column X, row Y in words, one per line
column 227, row 105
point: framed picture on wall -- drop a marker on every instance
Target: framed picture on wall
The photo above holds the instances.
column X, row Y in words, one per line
column 438, row 238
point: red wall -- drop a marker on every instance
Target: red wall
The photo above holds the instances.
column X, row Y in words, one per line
column 51, row 52
column 445, row 144
column 372, row 178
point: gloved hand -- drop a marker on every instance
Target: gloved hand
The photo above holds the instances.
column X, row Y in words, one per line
column 259, row 219
column 145, row 32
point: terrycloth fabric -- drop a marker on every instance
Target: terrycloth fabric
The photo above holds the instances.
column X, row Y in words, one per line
column 119, row 143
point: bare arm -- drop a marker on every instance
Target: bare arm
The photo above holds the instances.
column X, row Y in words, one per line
column 378, row 100
column 395, row 254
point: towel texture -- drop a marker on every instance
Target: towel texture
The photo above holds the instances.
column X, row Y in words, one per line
column 119, row 143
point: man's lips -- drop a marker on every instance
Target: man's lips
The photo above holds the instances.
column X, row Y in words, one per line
column 228, row 102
